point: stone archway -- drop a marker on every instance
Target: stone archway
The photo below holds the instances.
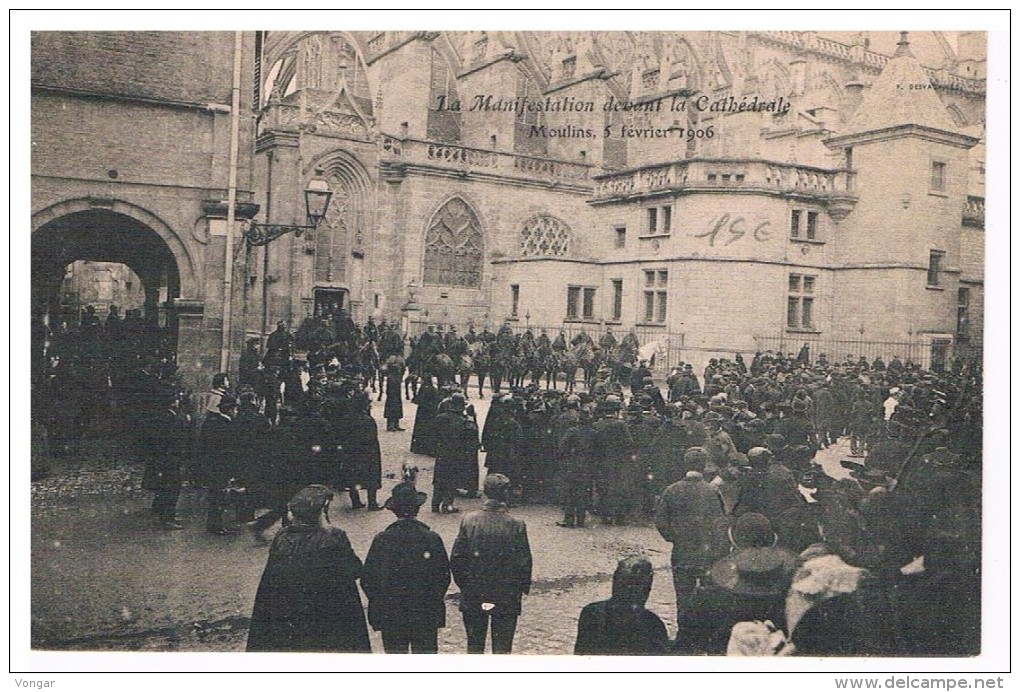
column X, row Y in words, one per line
column 115, row 232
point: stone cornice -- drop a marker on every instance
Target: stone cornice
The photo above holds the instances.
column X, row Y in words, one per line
column 930, row 134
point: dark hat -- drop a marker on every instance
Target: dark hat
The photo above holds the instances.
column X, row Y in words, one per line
column 752, row 530
column 610, row 404
column 405, row 497
column 759, row 457
column 496, row 486
column 695, row 457
column 309, row 502
column 756, row 571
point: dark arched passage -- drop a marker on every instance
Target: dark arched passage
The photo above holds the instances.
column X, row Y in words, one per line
column 85, row 364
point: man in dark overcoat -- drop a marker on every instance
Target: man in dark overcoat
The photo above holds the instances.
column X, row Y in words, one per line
column 219, row 454
column 613, row 458
column 427, row 398
column 166, row 442
column 393, row 411
column 491, row 563
column 501, row 439
column 575, row 476
column 362, row 458
column 278, row 347
column 407, row 573
column 456, row 455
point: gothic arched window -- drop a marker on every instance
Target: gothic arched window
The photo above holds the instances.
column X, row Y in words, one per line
column 454, row 247
column 545, row 236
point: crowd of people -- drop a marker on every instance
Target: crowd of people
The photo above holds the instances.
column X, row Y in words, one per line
column 770, row 554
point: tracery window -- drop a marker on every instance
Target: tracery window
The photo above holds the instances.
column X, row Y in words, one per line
column 454, row 247
column 545, row 236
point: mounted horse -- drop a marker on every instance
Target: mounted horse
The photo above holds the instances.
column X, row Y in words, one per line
column 479, row 354
column 442, row 367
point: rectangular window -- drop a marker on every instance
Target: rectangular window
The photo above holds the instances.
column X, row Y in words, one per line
column 667, row 219
column 617, row 300
column 656, row 283
column 573, row 302
column 962, row 313
column 938, row 176
column 515, row 299
column 800, row 302
column 588, row 309
column 580, row 302
column 795, row 223
column 621, row 236
column 652, row 220
column 935, row 260
column 812, row 224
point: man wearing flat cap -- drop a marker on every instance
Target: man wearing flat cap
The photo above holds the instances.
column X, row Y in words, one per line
column 491, row 563
column 406, row 576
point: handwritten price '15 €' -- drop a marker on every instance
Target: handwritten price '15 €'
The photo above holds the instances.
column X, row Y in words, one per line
column 733, row 230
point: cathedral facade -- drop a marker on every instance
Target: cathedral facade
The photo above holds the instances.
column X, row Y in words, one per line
column 721, row 186
column 728, row 191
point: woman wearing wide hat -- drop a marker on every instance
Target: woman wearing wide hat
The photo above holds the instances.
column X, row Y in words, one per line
column 750, row 585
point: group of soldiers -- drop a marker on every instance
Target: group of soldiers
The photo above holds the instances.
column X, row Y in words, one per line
column 600, row 451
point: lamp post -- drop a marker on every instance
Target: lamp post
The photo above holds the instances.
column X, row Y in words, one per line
column 317, row 199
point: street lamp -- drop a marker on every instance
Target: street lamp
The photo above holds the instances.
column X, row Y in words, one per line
column 317, row 198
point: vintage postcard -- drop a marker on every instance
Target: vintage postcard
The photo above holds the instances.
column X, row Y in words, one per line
column 596, row 341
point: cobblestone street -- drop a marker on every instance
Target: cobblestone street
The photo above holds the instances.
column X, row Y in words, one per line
column 188, row 591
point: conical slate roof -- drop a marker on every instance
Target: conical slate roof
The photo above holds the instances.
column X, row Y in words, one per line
column 902, row 95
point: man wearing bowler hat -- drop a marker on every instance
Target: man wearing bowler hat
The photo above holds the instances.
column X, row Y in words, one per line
column 406, row 576
column 491, row 563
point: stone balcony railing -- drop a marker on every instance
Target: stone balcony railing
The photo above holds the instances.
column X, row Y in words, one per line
column 711, row 175
column 400, row 153
column 974, row 212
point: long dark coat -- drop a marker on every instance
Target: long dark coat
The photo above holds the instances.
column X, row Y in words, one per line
column 362, row 459
column 393, row 410
column 218, row 451
column 613, row 452
column 166, row 438
column 407, row 573
column 394, row 369
column 423, row 440
column 456, row 452
column 575, row 477
column 252, row 430
column 306, row 451
column 308, row 597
